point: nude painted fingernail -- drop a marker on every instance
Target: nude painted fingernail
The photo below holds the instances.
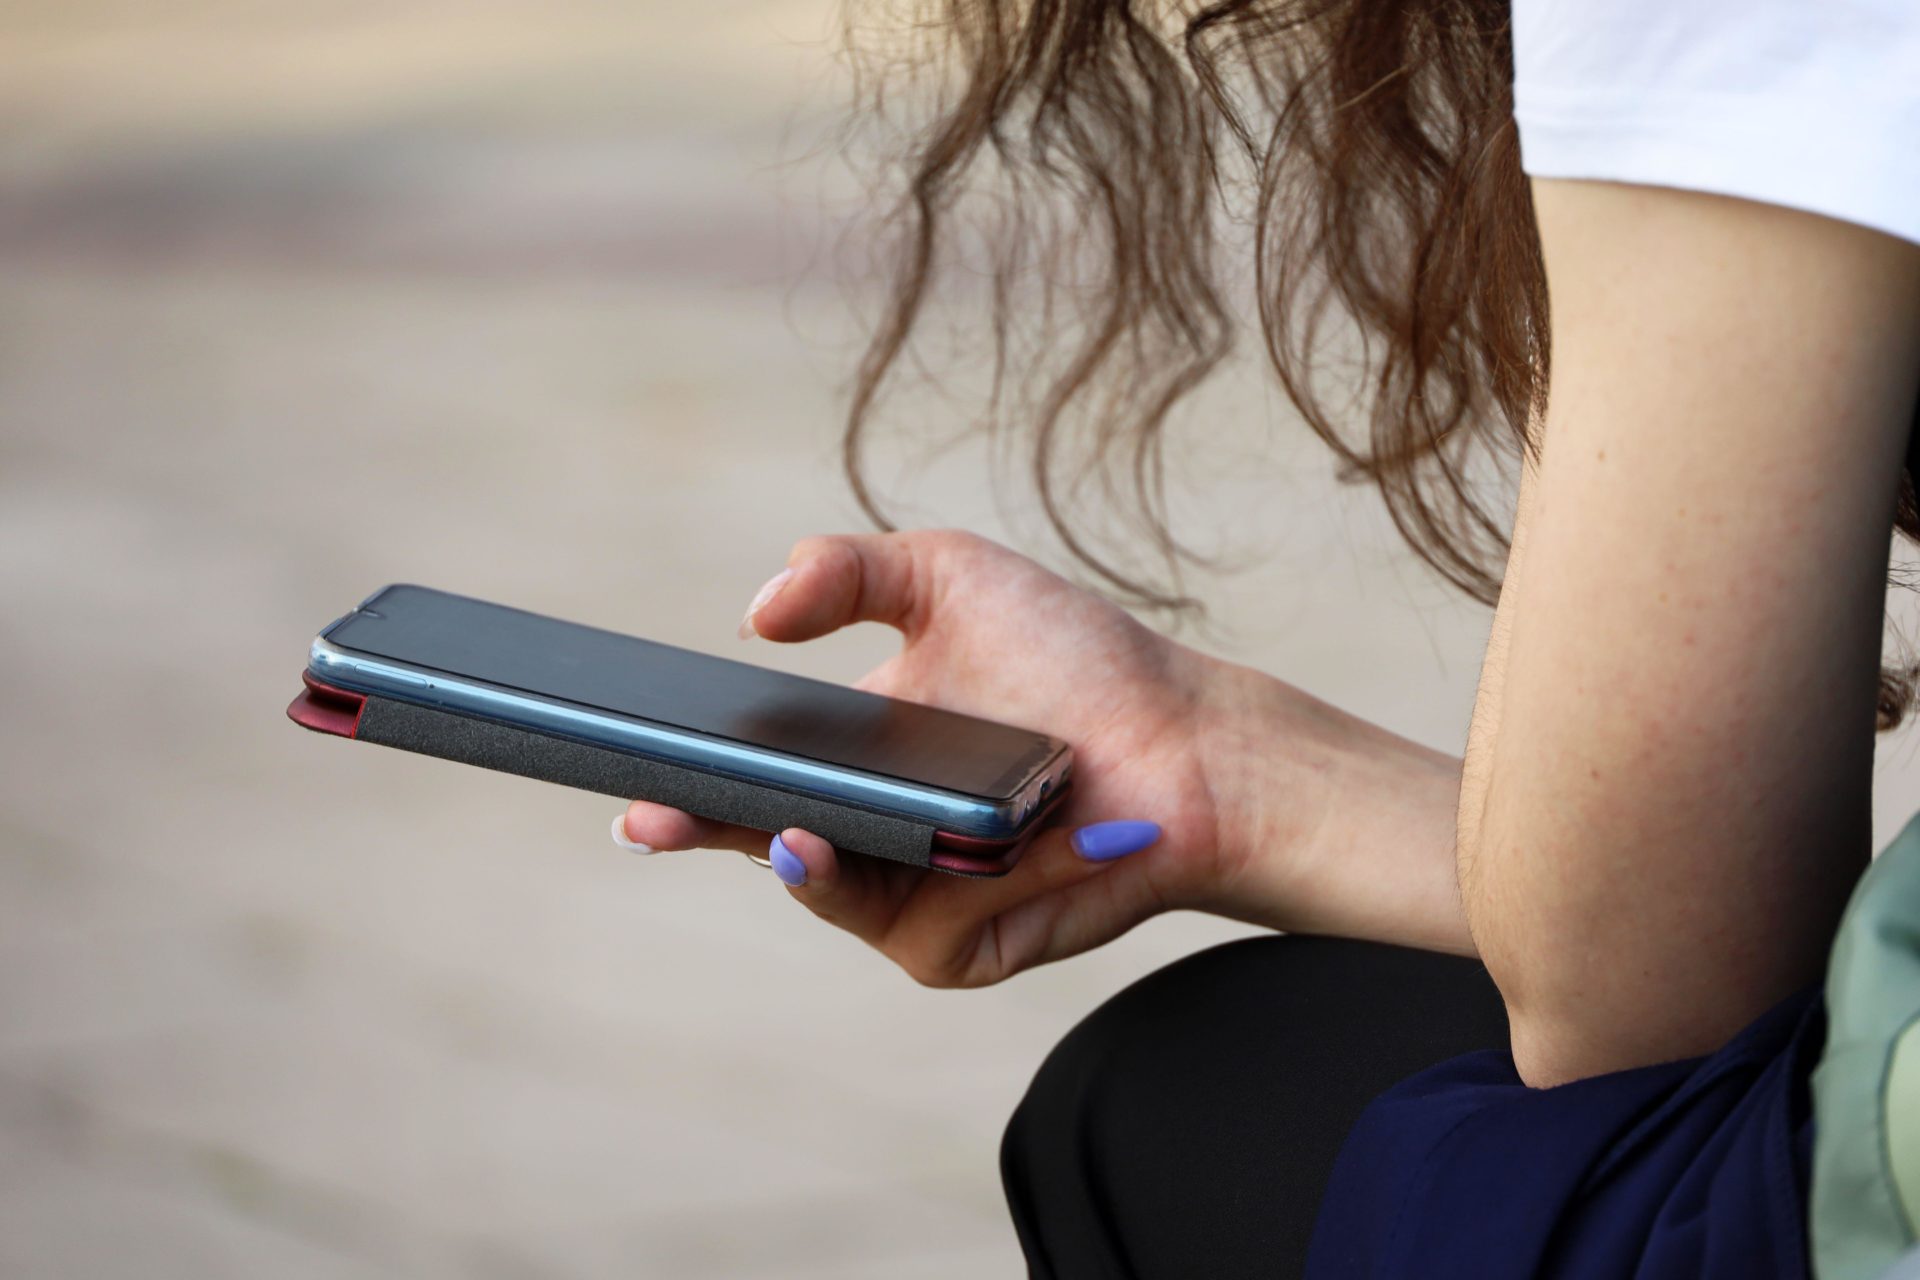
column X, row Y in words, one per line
column 620, row 837
column 760, row 600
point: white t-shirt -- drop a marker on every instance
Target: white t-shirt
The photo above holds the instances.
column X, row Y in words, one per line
column 1811, row 104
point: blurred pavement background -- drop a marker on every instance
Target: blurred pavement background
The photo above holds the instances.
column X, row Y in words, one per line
column 532, row 301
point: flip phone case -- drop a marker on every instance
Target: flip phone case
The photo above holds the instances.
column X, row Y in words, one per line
column 509, row 749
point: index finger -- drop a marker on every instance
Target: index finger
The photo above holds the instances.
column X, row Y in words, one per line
column 842, row 579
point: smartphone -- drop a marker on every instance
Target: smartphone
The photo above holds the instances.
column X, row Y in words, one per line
column 978, row 784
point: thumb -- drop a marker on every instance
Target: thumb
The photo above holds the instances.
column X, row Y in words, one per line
column 997, row 928
column 1060, row 856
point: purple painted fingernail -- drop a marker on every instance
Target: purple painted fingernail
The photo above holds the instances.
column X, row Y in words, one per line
column 786, row 864
column 1105, row 841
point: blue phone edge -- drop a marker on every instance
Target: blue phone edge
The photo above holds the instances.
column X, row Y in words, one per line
column 947, row 811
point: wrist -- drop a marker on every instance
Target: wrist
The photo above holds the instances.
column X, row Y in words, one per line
column 1328, row 823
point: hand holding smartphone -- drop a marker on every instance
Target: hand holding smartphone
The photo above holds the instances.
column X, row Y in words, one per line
column 484, row 684
column 1148, row 824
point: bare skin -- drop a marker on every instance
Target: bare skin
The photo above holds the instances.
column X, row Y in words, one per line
column 1668, row 786
column 1233, row 764
column 1665, row 796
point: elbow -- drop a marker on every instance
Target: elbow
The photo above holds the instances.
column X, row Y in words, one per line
column 1582, row 998
column 1602, row 972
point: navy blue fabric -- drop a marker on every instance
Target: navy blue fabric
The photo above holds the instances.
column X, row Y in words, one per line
column 1693, row 1170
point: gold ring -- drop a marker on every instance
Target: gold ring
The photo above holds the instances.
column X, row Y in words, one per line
column 759, row 859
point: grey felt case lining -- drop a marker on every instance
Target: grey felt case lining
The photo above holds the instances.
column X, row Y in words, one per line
column 433, row 732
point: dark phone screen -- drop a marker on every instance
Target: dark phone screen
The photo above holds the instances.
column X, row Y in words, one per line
column 611, row 672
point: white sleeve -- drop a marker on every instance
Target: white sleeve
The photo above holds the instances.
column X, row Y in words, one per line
column 1811, row 104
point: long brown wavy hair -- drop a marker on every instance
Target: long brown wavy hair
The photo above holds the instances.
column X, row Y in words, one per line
column 1390, row 216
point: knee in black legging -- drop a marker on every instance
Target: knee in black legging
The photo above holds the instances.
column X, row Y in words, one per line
column 1187, row 1126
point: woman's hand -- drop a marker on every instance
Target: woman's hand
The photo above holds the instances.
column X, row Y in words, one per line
column 1240, row 772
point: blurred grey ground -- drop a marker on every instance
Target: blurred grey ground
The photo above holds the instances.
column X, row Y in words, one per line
column 522, row 300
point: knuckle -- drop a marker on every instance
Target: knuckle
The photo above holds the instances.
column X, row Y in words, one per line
column 951, row 542
column 817, row 546
column 845, row 559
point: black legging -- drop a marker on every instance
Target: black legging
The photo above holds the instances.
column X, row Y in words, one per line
column 1187, row 1127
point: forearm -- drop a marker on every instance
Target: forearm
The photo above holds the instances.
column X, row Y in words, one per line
column 1353, row 831
column 1331, row 825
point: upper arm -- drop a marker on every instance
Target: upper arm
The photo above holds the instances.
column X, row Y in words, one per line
column 1674, row 799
